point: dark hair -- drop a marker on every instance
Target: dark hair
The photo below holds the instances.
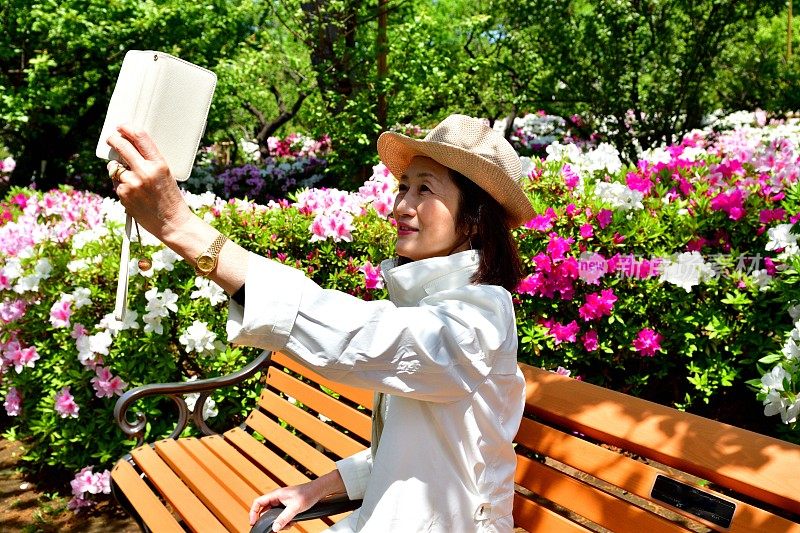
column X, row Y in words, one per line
column 500, row 262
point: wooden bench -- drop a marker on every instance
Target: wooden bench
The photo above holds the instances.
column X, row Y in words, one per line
column 588, row 459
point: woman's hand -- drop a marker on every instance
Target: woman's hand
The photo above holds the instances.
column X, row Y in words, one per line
column 297, row 498
column 147, row 189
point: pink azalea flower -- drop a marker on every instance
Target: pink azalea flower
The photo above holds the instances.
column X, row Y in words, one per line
column 586, row 231
column 571, row 210
column 78, row 331
column 564, row 332
column 543, row 262
column 12, row 310
column 571, row 178
column 530, row 284
column 598, row 305
column 13, row 402
column 60, row 313
column 561, row 371
column 647, row 342
column 21, row 357
column 604, row 217
column 542, row 222
column 107, row 385
column 731, row 202
column 558, row 246
column 639, row 183
column 765, row 216
column 65, row 404
column 372, row 275
column 590, row 340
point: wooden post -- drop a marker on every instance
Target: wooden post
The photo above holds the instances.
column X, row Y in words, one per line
column 383, row 67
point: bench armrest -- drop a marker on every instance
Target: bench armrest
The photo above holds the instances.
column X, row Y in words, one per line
column 322, row 509
column 176, row 391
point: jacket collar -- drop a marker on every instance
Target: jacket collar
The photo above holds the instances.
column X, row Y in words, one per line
column 408, row 284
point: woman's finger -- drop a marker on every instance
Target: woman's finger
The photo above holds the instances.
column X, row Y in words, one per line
column 126, row 150
column 141, row 140
column 261, row 504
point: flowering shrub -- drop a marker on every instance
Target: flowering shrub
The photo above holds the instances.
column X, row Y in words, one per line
column 292, row 162
column 65, row 359
column 663, row 280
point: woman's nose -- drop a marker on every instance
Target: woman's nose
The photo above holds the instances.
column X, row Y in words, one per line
column 403, row 205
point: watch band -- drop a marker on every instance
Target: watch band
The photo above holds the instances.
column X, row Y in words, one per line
column 212, row 253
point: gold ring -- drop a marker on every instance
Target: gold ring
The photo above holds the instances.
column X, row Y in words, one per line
column 117, row 172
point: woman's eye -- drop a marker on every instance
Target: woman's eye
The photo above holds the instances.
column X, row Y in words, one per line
column 402, row 187
column 424, row 188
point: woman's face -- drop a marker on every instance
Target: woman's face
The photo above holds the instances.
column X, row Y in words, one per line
column 425, row 210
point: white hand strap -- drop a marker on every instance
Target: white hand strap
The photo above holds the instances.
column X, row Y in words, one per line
column 124, row 267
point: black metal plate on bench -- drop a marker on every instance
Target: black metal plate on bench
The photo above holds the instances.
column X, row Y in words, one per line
column 694, row 501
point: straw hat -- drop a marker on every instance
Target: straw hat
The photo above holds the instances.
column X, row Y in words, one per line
column 472, row 148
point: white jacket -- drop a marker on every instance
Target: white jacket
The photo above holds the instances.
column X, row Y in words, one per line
column 444, row 354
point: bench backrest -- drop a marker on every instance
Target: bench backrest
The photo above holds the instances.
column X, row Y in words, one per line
column 310, row 421
column 627, row 464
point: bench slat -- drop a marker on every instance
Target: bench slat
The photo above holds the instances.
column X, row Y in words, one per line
column 602, row 508
column 250, row 473
column 360, row 396
column 356, row 421
column 265, row 458
column 634, row 476
column 221, row 472
column 533, row 517
column 308, row 424
column 233, row 458
column 151, row 510
column 175, row 491
column 300, row 451
column 762, row 467
column 215, row 496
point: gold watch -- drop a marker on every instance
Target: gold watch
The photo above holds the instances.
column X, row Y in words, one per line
column 206, row 262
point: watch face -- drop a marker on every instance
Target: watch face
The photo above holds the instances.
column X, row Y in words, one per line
column 205, row 263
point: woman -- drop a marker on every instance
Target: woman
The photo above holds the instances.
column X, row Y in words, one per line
column 441, row 354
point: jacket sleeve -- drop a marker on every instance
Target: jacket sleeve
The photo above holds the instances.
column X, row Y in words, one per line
column 355, row 471
column 439, row 350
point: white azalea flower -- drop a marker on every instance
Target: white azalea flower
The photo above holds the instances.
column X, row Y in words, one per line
column 619, row 196
column 604, row 157
column 686, row 270
column 791, row 349
column 789, row 415
column 164, row 259
column 80, row 297
column 774, row 403
column 563, row 152
column 781, row 237
column 209, row 290
column 152, row 323
column 43, row 268
column 114, row 326
column 762, row 279
column 209, row 407
column 198, row 338
column 27, row 284
column 773, row 381
column 12, row 269
column 656, row 155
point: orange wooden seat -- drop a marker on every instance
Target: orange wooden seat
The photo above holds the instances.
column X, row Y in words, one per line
column 588, row 456
column 588, row 459
column 208, row 484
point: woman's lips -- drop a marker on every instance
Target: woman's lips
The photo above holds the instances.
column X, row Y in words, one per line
column 402, row 229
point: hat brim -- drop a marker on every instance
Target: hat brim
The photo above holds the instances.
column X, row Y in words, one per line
column 396, row 152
